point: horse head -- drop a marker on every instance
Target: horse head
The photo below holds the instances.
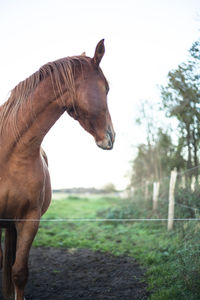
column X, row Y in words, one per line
column 90, row 107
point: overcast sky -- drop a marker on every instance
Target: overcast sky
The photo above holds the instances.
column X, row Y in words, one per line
column 144, row 40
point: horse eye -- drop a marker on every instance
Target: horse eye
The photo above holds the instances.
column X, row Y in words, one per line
column 72, row 112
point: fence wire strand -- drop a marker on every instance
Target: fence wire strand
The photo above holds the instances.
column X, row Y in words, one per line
column 99, row 220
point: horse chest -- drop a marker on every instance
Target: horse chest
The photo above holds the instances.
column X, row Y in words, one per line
column 17, row 198
column 22, row 171
column 20, row 183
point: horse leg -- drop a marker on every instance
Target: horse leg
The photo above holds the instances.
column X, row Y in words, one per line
column 26, row 232
column 1, row 251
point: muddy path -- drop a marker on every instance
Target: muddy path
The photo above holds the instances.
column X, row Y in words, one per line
column 60, row 274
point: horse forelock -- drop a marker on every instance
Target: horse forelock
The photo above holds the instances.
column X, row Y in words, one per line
column 61, row 71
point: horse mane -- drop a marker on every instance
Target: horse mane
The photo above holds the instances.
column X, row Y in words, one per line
column 61, row 71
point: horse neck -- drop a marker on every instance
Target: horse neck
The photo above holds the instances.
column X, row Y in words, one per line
column 34, row 119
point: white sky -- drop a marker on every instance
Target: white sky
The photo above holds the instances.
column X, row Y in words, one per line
column 144, row 40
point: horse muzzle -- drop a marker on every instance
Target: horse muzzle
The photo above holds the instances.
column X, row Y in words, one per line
column 108, row 141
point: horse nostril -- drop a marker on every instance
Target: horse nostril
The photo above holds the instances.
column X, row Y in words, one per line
column 110, row 144
column 110, row 134
column 107, row 142
column 109, row 139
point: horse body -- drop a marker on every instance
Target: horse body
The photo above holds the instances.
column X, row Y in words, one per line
column 25, row 194
column 76, row 85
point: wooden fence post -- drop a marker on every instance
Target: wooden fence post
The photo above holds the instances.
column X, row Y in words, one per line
column 193, row 183
column 156, row 188
column 171, row 199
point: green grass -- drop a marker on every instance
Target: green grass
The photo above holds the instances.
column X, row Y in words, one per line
column 75, row 234
column 172, row 258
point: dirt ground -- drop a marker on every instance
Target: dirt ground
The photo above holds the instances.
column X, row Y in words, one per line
column 60, row 274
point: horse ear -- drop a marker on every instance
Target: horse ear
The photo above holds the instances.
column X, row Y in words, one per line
column 83, row 54
column 99, row 53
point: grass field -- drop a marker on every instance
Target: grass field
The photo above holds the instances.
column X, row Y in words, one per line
column 171, row 259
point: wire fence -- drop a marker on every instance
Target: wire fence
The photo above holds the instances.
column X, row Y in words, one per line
column 185, row 195
column 178, row 193
column 98, row 220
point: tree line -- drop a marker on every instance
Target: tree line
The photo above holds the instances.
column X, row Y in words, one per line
column 177, row 146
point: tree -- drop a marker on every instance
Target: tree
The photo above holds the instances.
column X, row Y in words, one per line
column 109, row 188
column 181, row 98
column 155, row 162
column 180, row 101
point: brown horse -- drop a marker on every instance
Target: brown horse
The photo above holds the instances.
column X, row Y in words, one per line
column 73, row 84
